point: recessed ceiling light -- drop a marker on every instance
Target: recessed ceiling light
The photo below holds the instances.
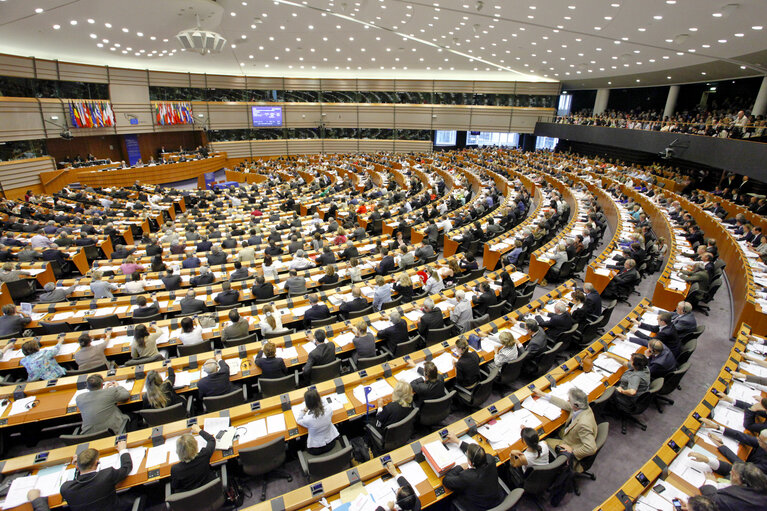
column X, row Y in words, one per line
column 703, row 72
column 108, row 25
column 693, row 29
column 73, row 22
column 739, row 35
column 722, row 41
column 39, row 10
column 140, row 34
column 671, row 2
column 743, row 67
column 91, row 21
column 657, row 17
column 757, row 27
column 641, row 29
column 56, row 27
column 93, row 36
column 125, row 30
column 717, row 15
column 233, row 13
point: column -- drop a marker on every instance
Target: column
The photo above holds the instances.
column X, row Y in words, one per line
column 760, row 105
column 600, row 104
column 673, row 93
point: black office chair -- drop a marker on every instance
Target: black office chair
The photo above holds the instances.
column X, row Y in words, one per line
column 144, row 360
column 56, row 328
column 522, row 299
column 22, row 289
column 692, row 335
column 478, row 322
column 77, row 438
column 220, row 308
column 541, row 477
column 607, row 312
column 599, row 405
column 324, row 322
column 324, row 372
column 603, row 429
column 403, row 349
column 240, row 341
column 265, row 460
column 364, row 363
column 146, row 319
column 75, row 372
column 670, row 383
column 686, row 352
column 512, row 497
column 510, row 371
column 358, row 314
column 436, row 335
column 216, row 403
column 95, row 322
column 434, row 411
column 547, row 358
column 638, row 405
column 395, row 302
column 208, row 497
column 194, row 349
column 317, row 467
column 477, row 395
column 269, row 387
column 160, row 416
column 394, row 435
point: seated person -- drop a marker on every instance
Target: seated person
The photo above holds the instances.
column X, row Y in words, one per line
column 558, row 323
column 393, row 335
column 91, row 356
column 536, row 453
column 405, row 498
column 400, row 406
column 623, row 283
column 204, row 278
column 191, row 332
column 262, row 289
column 317, row 419
column 98, row 406
column 404, row 288
column 330, row 277
column 432, row 318
column 633, row 383
column 295, row 285
column 272, row 322
column 143, row 310
column 748, row 491
column 134, row 284
column 190, row 304
column 476, row 487
column 270, row 364
column 144, row 343
column 486, row 297
column 364, row 342
column 170, row 281
column 431, row 384
column 357, row 303
column 193, row 469
column 40, row 364
column 467, row 373
column 55, row 294
column 227, row 296
column 12, row 323
column 315, row 311
column 323, row 352
column 216, row 380
column 664, row 332
column 160, row 393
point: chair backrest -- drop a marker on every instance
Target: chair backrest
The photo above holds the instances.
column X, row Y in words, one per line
column 216, row 403
column 326, row 465
column 274, row 386
column 73, row 372
column 259, row 460
column 547, row 358
column 510, row 371
column 642, row 401
column 694, row 334
column 607, row 311
column 510, row 500
column 227, row 307
column 687, row 350
column 523, row 299
column 397, row 434
column 55, row 328
column 287, row 331
column 436, row 335
column 394, row 302
column 603, row 429
column 208, row 497
column 21, row 289
column 475, row 323
column 239, row 341
column 145, row 360
column 434, row 411
column 194, row 349
column 325, row 371
column 360, row 313
column 147, row 319
column 324, row 322
column 713, row 288
column 364, row 363
column 482, row 390
column 404, row 348
column 672, row 379
column 163, row 415
column 89, row 437
column 103, row 321
column 541, row 477
column 497, row 310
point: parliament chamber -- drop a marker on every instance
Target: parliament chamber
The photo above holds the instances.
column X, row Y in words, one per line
column 296, row 257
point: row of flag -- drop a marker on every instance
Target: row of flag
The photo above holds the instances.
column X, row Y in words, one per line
column 176, row 112
column 88, row 113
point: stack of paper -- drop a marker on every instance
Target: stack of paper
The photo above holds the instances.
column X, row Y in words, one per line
column 343, row 339
column 213, row 425
column 728, row 416
column 275, row 423
column 253, row 431
column 542, row 407
column 623, row 348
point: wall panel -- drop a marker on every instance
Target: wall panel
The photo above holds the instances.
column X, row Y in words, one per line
column 18, row 174
column 21, row 119
column 413, row 116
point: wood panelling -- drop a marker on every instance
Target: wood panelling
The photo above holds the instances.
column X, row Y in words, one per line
column 156, row 174
column 20, row 174
column 102, row 147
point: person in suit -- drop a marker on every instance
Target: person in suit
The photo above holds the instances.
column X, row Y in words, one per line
column 398, row 408
column 485, row 299
column 357, row 303
column 191, row 261
column 683, row 319
column 262, row 289
column 237, row 327
column 622, row 283
column 467, row 373
column 407, row 257
column 95, row 489
column 579, row 433
column 664, row 332
column 295, row 284
column 10, row 322
column 326, row 257
column 204, row 278
column 98, row 406
column 748, row 491
column 559, row 322
column 170, row 281
column 54, row 294
column 193, row 469
column 476, row 487
column 431, row 384
column 239, row 272
column 216, row 380
column 405, row 498
column 190, row 304
column 424, row 251
column 432, row 318
column 393, row 335
column 315, row 311
column 593, row 305
column 757, row 444
column 101, row 288
column 386, row 265
column 270, row 364
column 323, row 353
column 349, row 252
column 143, row 310
column 227, row 296
column 204, row 245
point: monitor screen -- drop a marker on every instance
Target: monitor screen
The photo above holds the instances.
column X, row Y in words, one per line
column 445, row 138
column 267, row 116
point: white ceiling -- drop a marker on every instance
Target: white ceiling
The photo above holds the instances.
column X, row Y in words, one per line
column 564, row 40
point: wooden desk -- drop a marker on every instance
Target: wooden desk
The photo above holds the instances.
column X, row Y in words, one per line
column 156, row 174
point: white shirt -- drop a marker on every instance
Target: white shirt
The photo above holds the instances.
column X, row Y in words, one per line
column 321, row 429
column 191, row 338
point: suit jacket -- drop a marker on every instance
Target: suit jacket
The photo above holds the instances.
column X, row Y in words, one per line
column 483, row 301
column 386, row 265
column 265, row 290
column 229, row 297
column 98, row 409
column 353, row 306
column 593, row 305
column 556, row 324
column 217, row 258
column 189, row 306
column 216, row 384
column 271, row 367
column 476, row 489
column 149, row 310
column 172, row 283
column 96, row 490
column 423, row 390
column 429, row 320
column 735, row 498
column 394, row 335
column 202, row 280
column 580, row 432
column 467, row 370
column 316, row 311
column 684, row 323
column 185, row 476
column 324, row 353
column 349, row 252
column 236, row 330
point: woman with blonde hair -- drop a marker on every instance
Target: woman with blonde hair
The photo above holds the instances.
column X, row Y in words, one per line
column 193, row 469
column 355, row 272
column 159, row 393
column 340, row 238
column 130, row 266
column 382, row 293
column 272, row 322
column 399, row 408
column 364, row 342
column 404, row 288
column 330, row 277
column 434, row 283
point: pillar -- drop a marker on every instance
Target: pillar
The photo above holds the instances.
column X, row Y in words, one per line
column 600, row 104
column 673, row 93
column 760, row 105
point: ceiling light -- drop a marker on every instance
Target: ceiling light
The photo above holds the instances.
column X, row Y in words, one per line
column 657, row 17
column 108, row 25
column 233, row 13
column 641, row 29
column 717, row 15
column 671, row 2
column 743, row 67
column 739, row 35
column 93, row 36
column 125, row 30
column 39, row 10
column 140, row 34
column 722, row 41
column 757, row 27
column 73, row 22
column 56, row 27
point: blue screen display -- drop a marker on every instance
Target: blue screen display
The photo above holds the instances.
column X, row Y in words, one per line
column 267, row 116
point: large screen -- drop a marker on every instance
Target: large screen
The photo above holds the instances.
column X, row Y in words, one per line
column 489, row 138
column 267, row 116
column 445, row 138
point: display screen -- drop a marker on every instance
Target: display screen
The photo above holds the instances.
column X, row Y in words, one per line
column 485, row 138
column 445, row 138
column 267, row 116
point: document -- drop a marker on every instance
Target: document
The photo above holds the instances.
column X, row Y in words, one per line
column 253, row 431
column 156, row 456
column 215, row 424
column 136, row 456
column 21, row 405
column 275, row 423
column 413, row 473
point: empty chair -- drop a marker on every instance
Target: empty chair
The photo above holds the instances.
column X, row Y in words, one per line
column 403, row 348
column 590, row 332
column 147, row 319
column 216, row 403
column 194, row 349
column 325, row 371
column 73, row 372
column 76, row 438
column 318, row 467
column 264, row 460
column 220, row 308
column 686, row 352
column 434, row 411
column 159, row 416
column 546, row 359
column 603, row 429
column 364, row 363
column 358, row 314
column 239, row 341
column 145, row 360
column 269, row 387
column 670, row 384
column 394, row 435
column 394, row 302
column 607, row 311
column 692, row 335
column 22, row 289
column 95, row 322
column 56, row 328
column 208, row 497
column 498, row 310
column 522, row 299
column 599, row 405
column 324, row 322
column 477, row 395
column 436, row 335
column 476, row 323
